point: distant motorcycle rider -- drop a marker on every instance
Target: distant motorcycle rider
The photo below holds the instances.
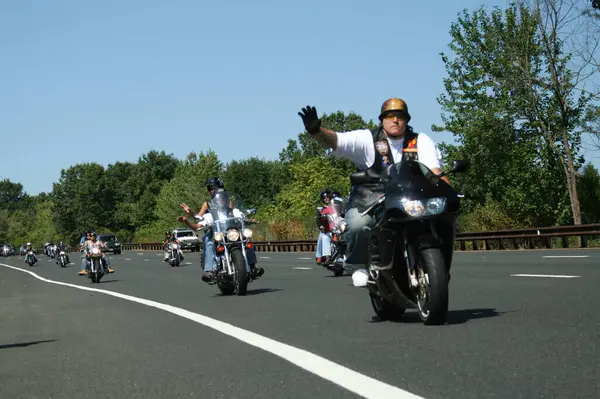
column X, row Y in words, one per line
column 393, row 141
column 28, row 248
column 325, row 225
column 62, row 247
column 170, row 238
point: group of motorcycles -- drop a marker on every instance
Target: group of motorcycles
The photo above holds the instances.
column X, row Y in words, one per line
column 54, row 252
column 411, row 244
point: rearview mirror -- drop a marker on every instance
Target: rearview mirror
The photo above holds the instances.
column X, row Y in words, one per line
column 459, row 166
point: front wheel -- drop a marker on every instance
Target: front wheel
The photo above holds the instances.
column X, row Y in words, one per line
column 432, row 295
column 241, row 281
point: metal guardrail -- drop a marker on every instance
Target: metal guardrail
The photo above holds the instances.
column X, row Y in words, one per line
column 532, row 238
column 528, row 238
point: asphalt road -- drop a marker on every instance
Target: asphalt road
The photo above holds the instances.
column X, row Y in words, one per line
column 509, row 334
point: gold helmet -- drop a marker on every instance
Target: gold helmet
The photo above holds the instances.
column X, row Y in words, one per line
column 394, row 104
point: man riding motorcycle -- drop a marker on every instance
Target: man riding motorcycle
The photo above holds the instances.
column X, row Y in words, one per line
column 28, row 248
column 170, row 238
column 87, row 248
column 213, row 184
column 62, row 247
column 84, row 239
column 372, row 150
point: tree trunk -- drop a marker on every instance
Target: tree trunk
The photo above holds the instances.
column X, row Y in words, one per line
column 571, row 175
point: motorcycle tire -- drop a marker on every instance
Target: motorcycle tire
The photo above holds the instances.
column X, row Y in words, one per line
column 433, row 308
column 241, row 283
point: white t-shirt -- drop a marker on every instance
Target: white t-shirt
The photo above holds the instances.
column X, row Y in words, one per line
column 357, row 146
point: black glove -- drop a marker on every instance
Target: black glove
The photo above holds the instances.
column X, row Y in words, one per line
column 312, row 123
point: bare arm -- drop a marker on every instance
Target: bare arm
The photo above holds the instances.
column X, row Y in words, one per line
column 438, row 171
column 326, row 137
column 203, row 209
column 191, row 225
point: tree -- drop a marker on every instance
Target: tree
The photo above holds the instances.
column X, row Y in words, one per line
column 11, row 194
column 82, row 200
column 509, row 93
column 186, row 186
column 255, row 180
column 119, row 178
column 153, row 171
column 589, row 192
column 300, row 196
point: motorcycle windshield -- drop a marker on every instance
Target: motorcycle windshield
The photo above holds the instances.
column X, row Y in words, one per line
column 222, row 208
column 412, row 180
column 338, row 206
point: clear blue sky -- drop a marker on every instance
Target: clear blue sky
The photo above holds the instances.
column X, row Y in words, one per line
column 84, row 81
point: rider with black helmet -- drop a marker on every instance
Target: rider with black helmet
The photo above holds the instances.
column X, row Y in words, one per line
column 213, row 185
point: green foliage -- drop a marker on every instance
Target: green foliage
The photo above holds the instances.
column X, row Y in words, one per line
column 589, row 192
column 11, row 194
column 82, row 200
column 256, row 180
column 503, row 110
column 489, row 217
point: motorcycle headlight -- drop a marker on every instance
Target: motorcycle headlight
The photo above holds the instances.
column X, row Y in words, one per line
column 174, row 246
column 219, row 236
column 417, row 208
column 435, row 205
column 247, row 233
column 233, row 235
column 343, row 226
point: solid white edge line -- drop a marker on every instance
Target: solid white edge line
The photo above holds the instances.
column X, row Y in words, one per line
column 544, row 275
column 564, row 256
column 344, row 377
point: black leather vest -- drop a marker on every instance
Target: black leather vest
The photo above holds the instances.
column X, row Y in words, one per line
column 362, row 195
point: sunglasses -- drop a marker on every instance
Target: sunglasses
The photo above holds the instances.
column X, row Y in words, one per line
column 395, row 114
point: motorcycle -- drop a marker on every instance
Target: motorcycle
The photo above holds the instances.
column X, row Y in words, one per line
column 30, row 258
column 174, row 257
column 62, row 258
column 231, row 239
column 95, row 267
column 411, row 244
column 338, row 243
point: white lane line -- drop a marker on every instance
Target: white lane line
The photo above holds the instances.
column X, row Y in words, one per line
column 351, row 380
column 305, row 258
column 146, row 260
column 264, row 257
column 140, row 253
column 565, row 256
column 302, row 268
column 544, row 275
column 127, row 259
